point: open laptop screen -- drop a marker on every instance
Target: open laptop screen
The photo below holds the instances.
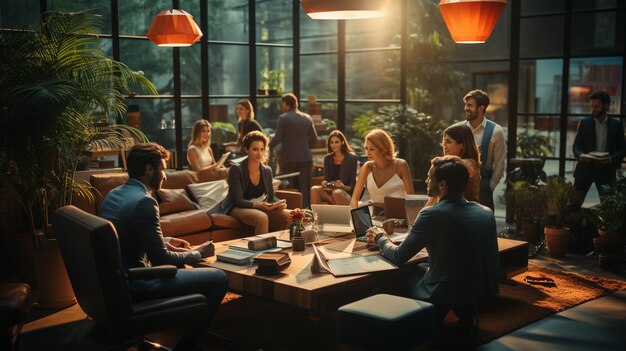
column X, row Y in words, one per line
column 361, row 220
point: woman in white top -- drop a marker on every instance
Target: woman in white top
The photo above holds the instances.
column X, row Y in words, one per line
column 199, row 153
column 384, row 173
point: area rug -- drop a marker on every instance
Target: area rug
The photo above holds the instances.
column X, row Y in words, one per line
column 251, row 323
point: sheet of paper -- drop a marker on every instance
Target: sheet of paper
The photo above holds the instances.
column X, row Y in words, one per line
column 359, row 265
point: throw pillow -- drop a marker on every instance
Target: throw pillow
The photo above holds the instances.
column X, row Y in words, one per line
column 210, row 194
column 174, row 200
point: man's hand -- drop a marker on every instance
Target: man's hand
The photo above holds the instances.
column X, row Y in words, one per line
column 372, row 233
column 207, row 249
column 176, row 242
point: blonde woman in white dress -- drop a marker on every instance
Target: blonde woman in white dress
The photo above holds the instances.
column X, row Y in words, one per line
column 384, row 174
column 199, row 153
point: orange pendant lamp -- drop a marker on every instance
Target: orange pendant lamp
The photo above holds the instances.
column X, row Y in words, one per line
column 471, row 21
column 174, row 28
column 344, row 9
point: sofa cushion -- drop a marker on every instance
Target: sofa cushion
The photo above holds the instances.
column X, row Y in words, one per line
column 174, row 200
column 186, row 222
column 209, row 194
column 105, row 182
column 180, row 179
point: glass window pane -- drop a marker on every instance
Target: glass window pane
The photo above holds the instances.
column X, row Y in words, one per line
column 267, row 112
column 273, row 21
column 537, row 40
column 598, row 33
column 157, row 120
column 19, row 13
column 135, row 17
column 588, row 75
column 155, row 62
column 275, row 68
column 538, row 7
column 540, row 86
column 597, row 4
column 229, row 70
column 316, row 35
column 228, row 20
column 354, row 110
column 223, row 110
column 318, row 76
column 373, row 75
column 100, row 7
column 191, row 79
column 376, row 32
column 546, row 127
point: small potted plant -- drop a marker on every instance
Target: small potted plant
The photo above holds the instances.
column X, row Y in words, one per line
column 611, row 213
column 562, row 205
column 529, row 201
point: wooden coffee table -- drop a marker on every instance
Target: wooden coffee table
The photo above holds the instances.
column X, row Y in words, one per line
column 298, row 286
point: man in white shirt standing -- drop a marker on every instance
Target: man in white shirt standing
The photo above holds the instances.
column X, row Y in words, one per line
column 489, row 138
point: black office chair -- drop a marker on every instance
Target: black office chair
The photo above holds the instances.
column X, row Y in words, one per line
column 90, row 249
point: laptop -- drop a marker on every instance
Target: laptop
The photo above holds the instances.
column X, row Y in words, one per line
column 361, row 221
column 334, row 219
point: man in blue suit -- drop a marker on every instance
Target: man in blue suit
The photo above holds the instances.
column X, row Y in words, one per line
column 135, row 216
column 460, row 237
column 601, row 134
column 295, row 132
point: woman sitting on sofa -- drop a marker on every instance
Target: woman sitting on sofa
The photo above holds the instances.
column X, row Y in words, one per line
column 339, row 172
column 199, row 153
column 251, row 197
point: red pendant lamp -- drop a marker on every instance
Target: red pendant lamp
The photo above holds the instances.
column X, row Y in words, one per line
column 174, row 28
column 344, row 9
column 471, row 21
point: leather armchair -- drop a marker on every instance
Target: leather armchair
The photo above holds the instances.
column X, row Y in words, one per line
column 90, row 249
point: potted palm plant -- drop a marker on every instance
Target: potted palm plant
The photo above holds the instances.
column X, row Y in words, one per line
column 562, row 206
column 611, row 213
column 54, row 79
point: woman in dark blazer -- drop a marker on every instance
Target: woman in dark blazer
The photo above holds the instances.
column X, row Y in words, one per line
column 251, row 197
column 339, row 172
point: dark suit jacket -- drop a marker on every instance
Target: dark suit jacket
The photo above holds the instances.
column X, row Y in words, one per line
column 347, row 174
column 295, row 132
column 239, row 181
column 135, row 216
column 585, row 141
column 460, row 237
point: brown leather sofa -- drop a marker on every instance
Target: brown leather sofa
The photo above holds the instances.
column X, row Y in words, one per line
column 192, row 225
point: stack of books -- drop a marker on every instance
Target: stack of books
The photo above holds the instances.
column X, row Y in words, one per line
column 238, row 257
column 270, row 263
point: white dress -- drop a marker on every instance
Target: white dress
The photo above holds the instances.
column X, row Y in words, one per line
column 204, row 157
column 393, row 187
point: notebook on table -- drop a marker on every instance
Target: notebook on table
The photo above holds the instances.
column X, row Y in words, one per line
column 223, row 159
column 334, row 219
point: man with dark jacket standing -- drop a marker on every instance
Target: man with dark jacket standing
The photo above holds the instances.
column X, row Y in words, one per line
column 599, row 134
column 295, row 132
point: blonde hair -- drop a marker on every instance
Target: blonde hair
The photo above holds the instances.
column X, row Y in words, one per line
column 383, row 142
column 196, row 131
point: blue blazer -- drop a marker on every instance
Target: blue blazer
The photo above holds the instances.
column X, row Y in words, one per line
column 135, row 216
column 239, row 181
column 347, row 174
column 460, row 237
column 585, row 141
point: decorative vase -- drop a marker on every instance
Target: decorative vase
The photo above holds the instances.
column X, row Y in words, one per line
column 309, row 235
column 557, row 240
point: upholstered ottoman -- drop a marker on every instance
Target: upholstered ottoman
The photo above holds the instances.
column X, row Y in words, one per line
column 385, row 322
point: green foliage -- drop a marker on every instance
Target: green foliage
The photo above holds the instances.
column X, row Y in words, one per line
column 419, row 132
column 533, row 144
column 53, row 80
column 529, row 202
column 223, row 132
column 563, row 201
column 611, row 211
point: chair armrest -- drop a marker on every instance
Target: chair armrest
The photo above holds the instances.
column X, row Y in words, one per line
column 293, row 198
column 165, row 271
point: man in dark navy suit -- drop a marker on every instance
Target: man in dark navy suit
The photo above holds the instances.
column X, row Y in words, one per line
column 600, row 134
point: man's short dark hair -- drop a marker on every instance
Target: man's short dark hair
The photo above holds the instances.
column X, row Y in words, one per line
column 603, row 96
column 453, row 171
column 481, row 97
column 290, row 99
column 141, row 155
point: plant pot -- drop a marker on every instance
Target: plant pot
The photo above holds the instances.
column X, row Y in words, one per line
column 298, row 243
column 532, row 232
column 55, row 289
column 557, row 240
column 262, row 92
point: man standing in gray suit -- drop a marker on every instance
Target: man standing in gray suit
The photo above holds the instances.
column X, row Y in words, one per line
column 460, row 237
column 295, row 132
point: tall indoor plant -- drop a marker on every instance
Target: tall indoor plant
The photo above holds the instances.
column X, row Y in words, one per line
column 53, row 79
column 611, row 213
column 562, row 206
